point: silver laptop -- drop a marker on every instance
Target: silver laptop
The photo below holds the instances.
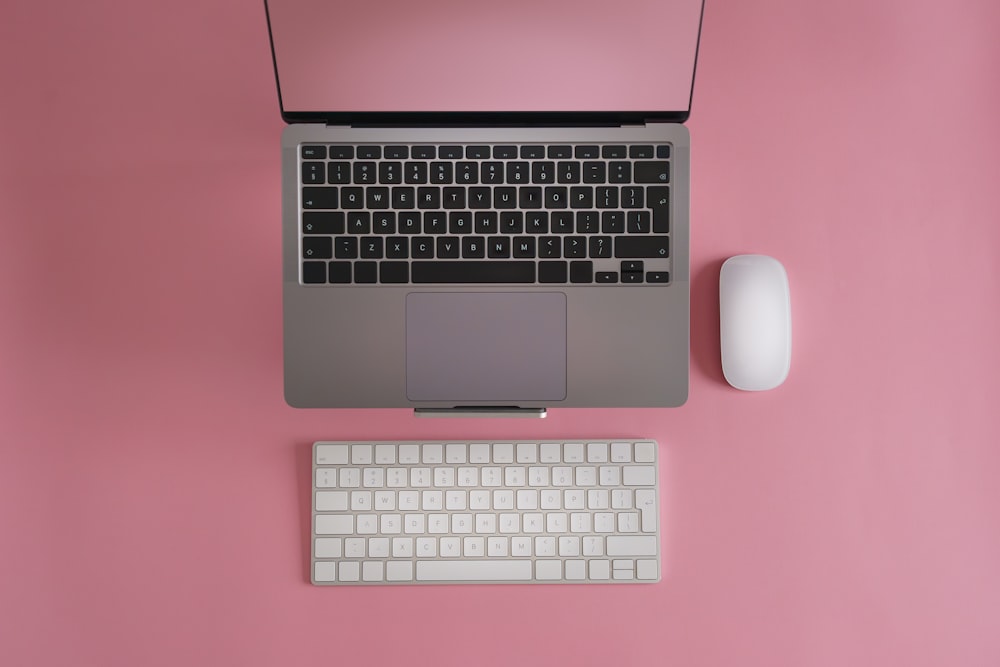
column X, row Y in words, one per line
column 485, row 205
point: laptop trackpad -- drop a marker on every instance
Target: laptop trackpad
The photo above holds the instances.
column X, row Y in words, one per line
column 489, row 346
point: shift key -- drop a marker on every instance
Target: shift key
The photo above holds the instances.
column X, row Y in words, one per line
column 638, row 246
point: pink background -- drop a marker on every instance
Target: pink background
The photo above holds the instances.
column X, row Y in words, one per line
column 154, row 503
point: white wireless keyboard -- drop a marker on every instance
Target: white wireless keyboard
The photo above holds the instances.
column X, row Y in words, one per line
column 581, row 511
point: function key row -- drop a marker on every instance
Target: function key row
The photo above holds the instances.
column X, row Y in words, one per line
column 483, row 152
column 520, row 452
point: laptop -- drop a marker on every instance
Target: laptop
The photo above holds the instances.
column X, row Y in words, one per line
column 485, row 206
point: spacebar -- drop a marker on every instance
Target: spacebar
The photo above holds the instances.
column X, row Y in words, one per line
column 474, row 570
column 472, row 272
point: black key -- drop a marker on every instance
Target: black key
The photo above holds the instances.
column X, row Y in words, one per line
column 460, row 222
column 450, row 152
column 504, row 197
column 480, row 198
column 477, row 152
column 555, row 197
column 365, row 272
column 652, row 172
column 403, row 197
column 313, row 272
column 581, row 196
column 435, row 222
column 529, row 197
column 323, row 222
column 486, row 223
column 594, row 172
column 550, row 247
column 606, row 277
column 359, row 222
column 340, row 272
column 663, row 152
column 369, row 152
column 543, row 172
column 313, row 173
column 632, row 277
column 390, row 173
column 581, row 272
column 524, row 246
column 532, row 152
column 453, row 198
column 536, row 222
column 575, row 246
column 338, row 173
column 310, row 152
column 658, row 277
column 317, row 247
column 552, row 272
column 491, row 173
column 346, row 247
column 397, row 247
column 631, row 266
column 640, row 152
column 441, row 173
column 518, row 173
column 473, row 272
column 620, row 172
column 467, row 173
column 632, row 196
column 393, row 272
column 587, row 222
column 365, row 172
column 511, row 222
column 341, row 153
column 607, row 197
column 614, row 152
column 586, row 152
column 642, row 246
column 422, row 247
column 428, row 197
column 396, row 152
column 319, row 197
column 613, row 222
column 568, row 172
column 498, row 247
column 376, row 198
column 371, row 247
column 473, row 247
column 658, row 199
column 415, row 173
column 560, row 152
column 637, row 222
column 504, row 152
column 424, row 152
column 384, row 223
column 448, row 247
column 562, row 222
column 600, row 246
column 409, row 223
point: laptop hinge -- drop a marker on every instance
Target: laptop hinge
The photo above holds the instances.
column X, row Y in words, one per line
column 473, row 411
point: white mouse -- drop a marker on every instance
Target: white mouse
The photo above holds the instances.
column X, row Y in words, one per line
column 755, row 316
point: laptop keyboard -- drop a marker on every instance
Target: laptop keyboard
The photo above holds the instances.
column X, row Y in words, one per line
column 458, row 214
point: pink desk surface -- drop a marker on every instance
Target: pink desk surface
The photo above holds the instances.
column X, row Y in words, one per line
column 154, row 503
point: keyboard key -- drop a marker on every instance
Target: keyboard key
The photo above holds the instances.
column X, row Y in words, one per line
column 501, row 570
column 639, row 152
column 642, row 246
column 473, row 272
column 651, row 172
column 310, row 152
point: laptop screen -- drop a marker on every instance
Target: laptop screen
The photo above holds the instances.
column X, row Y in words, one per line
column 341, row 56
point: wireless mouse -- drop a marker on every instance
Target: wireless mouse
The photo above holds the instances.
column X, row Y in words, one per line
column 756, row 322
